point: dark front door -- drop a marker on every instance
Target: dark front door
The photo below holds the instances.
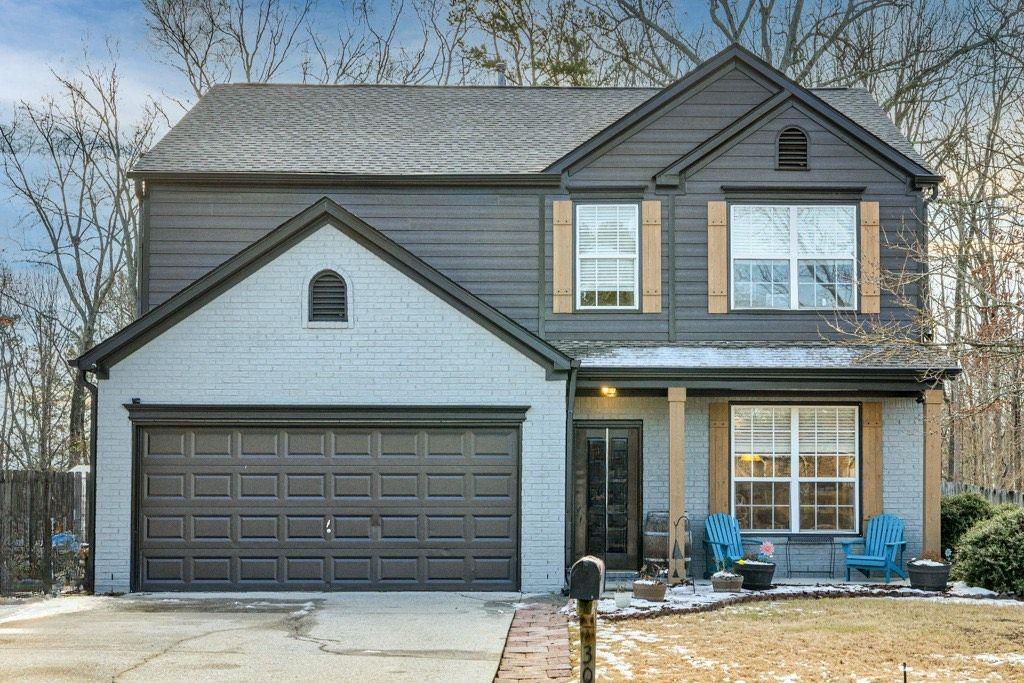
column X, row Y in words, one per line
column 607, row 493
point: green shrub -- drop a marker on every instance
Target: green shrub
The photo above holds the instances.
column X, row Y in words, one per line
column 991, row 553
column 959, row 513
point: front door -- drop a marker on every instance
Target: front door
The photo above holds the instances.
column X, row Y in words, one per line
column 607, row 493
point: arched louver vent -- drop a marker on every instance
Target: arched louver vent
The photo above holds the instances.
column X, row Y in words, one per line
column 792, row 150
column 328, row 298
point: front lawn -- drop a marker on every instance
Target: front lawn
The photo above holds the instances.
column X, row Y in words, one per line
column 835, row 639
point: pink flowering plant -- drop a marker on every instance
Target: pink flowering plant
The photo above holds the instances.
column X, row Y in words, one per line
column 766, row 553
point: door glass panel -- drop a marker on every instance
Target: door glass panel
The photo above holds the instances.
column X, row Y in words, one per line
column 618, row 493
column 596, row 488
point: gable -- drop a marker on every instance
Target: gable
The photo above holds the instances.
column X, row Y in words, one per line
column 833, row 157
column 683, row 123
column 374, row 246
column 735, row 84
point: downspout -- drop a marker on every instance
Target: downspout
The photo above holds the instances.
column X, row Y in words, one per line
column 90, row 569
column 570, row 407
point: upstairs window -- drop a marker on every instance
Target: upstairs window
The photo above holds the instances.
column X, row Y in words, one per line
column 793, row 257
column 328, row 298
column 607, row 256
column 792, row 152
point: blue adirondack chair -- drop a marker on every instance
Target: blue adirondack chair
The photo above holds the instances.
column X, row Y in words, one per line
column 722, row 542
column 883, row 546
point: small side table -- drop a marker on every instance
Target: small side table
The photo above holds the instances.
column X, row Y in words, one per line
column 811, row 541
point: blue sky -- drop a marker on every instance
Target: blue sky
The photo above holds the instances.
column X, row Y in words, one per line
column 39, row 35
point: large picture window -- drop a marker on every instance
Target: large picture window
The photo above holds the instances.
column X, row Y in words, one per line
column 607, row 245
column 793, row 257
column 795, row 468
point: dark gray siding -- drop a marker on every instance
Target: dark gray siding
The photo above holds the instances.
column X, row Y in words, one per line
column 497, row 242
column 485, row 240
column 678, row 129
column 751, row 161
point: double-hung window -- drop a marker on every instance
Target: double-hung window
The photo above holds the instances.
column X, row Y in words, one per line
column 607, row 263
column 793, row 257
column 795, row 468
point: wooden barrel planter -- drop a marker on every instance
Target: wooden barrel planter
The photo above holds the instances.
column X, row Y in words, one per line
column 756, row 576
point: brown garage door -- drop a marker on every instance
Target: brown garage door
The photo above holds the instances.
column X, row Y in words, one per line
column 331, row 507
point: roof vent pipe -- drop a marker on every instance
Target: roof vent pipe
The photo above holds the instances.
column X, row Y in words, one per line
column 501, row 67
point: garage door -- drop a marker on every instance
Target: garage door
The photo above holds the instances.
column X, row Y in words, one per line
column 327, row 507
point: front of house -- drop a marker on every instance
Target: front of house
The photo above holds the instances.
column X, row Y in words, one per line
column 419, row 338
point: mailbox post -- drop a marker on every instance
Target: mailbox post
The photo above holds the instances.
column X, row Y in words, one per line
column 586, row 583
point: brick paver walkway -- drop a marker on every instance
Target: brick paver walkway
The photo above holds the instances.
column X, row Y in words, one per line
column 537, row 647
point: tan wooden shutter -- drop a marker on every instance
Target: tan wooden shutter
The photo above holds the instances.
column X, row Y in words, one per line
column 651, row 242
column 718, row 258
column 561, row 257
column 718, row 466
column 870, row 266
column 871, row 460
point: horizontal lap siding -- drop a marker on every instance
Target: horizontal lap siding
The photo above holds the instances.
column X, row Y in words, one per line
column 485, row 240
column 752, row 162
column 632, row 325
column 678, row 130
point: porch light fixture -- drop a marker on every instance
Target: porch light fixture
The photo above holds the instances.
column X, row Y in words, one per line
column 609, row 392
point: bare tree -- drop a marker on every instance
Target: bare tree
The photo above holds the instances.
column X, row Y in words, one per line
column 65, row 161
column 409, row 42
column 218, row 41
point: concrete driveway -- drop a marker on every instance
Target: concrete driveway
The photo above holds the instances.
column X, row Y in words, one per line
column 257, row 636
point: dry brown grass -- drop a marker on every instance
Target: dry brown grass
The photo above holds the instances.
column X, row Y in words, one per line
column 839, row 639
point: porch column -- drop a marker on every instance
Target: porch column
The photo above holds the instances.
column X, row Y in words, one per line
column 932, row 472
column 676, row 483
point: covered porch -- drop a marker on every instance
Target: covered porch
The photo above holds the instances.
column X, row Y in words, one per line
column 802, row 443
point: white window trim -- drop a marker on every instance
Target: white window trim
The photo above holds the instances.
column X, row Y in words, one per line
column 635, row 257
column 794, row 276
column 794, row 467
column 304, row 298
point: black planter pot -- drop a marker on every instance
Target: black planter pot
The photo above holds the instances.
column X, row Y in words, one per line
column 928, row 578
column 756, row 577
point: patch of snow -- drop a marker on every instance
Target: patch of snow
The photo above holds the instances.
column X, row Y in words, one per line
column 961, row 588
column 689, row 599
column 1011, row 658
column 52, row 607
column 305, row 610
column 724, row 575
column 647, row 582
column 927, row 563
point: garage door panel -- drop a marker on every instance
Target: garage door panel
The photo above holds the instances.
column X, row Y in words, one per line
column 332, row 507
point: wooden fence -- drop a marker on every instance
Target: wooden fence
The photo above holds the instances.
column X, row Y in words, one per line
column 34, row 506
column 995, row 496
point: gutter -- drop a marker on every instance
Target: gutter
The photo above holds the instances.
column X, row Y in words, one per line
column 90, row 571
column 570, row 407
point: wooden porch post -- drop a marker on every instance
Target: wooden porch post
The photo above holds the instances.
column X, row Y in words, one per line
column 932, row 532
column 676, row 484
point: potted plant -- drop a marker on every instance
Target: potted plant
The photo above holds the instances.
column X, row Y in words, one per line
column 758, row 568
column 650, row 586
column 725, row 581
column 928, row 572
column 623, row 596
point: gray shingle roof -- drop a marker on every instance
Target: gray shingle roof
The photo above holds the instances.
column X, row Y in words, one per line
column 763, row 355
column 860, row 105
column 413, row 130
column 386, row 130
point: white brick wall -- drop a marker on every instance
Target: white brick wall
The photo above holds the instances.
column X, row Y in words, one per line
column 902, row 444
column 405, row 346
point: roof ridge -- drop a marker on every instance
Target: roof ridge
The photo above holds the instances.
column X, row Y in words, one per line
column 432, row 86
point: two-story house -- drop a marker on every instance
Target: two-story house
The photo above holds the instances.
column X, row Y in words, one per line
column 455, row 337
